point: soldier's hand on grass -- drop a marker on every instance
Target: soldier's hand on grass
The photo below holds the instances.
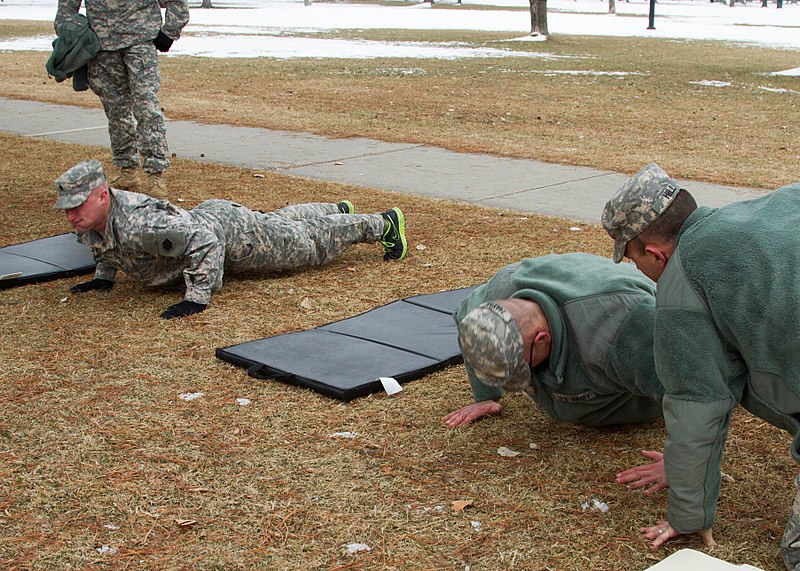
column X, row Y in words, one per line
column 183, row 309
column 95, row 284
column 163, row 42
column 662, row 532
column 472, row 412
column 652, row 475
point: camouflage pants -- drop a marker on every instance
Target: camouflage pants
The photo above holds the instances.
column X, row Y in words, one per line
column 291, row 238
column 790, row 544
column 127, row 82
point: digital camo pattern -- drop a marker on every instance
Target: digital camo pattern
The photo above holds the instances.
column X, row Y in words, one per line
column 492, row 344
column 124, row 23
column 73, row 187
column 637, row 205
column 790, row 544
column 291, row 238
column 125, row 74
column 159, row 244
column 127, row 82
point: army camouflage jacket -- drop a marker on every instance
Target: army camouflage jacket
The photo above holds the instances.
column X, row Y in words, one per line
column 601, row 368
column 159, row 244
column 727, row 332
column 124, row 23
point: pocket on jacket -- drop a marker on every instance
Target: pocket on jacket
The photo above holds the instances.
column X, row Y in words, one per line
column 241, row 249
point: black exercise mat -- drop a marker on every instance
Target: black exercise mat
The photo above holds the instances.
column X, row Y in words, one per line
column 44, row 259
column 405, row 339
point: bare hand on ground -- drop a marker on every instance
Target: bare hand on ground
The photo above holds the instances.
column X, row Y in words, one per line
column 473, row 412
column 652, row 475
column 662, row 532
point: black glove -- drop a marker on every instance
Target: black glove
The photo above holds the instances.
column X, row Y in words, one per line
column 163, row 42
column 98, row 284
column 183, row 309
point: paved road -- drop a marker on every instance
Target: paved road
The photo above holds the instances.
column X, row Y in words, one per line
column 577, row 193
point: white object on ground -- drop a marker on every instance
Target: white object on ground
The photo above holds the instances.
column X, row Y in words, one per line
column 106, row 550
column 390, row 385
column 691, row 560
column 594, row 506
column 190, row 396
column 353, row 548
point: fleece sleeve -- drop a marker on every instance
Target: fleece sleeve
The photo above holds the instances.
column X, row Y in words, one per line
column 481, row 391
column 702, row 384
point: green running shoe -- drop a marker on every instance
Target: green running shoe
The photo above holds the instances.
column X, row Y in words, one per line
column 346, row 207
column 394, row 237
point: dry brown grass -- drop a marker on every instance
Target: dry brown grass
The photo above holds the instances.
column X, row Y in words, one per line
column 93, row 434
column 741, row 134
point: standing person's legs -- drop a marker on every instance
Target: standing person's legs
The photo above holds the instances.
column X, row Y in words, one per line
column 790, row 544
column 144, row 81
column 108, row 79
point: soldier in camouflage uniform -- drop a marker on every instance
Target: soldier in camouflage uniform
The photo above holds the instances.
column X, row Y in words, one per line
column 572, row 331
column 125, row 75
column 160, row 244
column 727, row 330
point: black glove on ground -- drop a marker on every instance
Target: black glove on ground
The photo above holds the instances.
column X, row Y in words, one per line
column 183, row 309
column 163, row 42
column 98, row 284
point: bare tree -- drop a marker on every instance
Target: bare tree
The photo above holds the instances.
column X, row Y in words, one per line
column 206, row 4
column 612, row 6
column 538, row 17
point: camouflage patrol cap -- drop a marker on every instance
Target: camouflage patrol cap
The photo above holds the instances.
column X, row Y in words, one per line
column 73, row 187
column 492, row 343
column 637, row 205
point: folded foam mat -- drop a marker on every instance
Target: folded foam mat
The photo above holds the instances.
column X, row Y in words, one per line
column 405, row 339
column 44, row 259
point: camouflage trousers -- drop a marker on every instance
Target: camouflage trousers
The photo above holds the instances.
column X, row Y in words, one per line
column 289, row 239
column 127, row 83
column 790, row 544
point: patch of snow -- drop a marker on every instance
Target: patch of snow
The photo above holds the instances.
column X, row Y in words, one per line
column 712, row 83
column 269, row 28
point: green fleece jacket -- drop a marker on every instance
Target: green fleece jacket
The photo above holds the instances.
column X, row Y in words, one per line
column 73, row 49
column 727, row 333
column 600, row 369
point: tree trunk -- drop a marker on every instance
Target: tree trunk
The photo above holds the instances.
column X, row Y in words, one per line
column 206, row 4
column 612, row 6
column 538, row 17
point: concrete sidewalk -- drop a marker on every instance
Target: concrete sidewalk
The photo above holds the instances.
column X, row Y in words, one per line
column 577, row 193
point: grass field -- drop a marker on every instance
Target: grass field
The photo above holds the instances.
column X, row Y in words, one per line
column 96, row 448
column 741, row 134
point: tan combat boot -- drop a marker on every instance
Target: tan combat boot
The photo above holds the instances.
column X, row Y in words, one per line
column 156, row 186
column 128, row 179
